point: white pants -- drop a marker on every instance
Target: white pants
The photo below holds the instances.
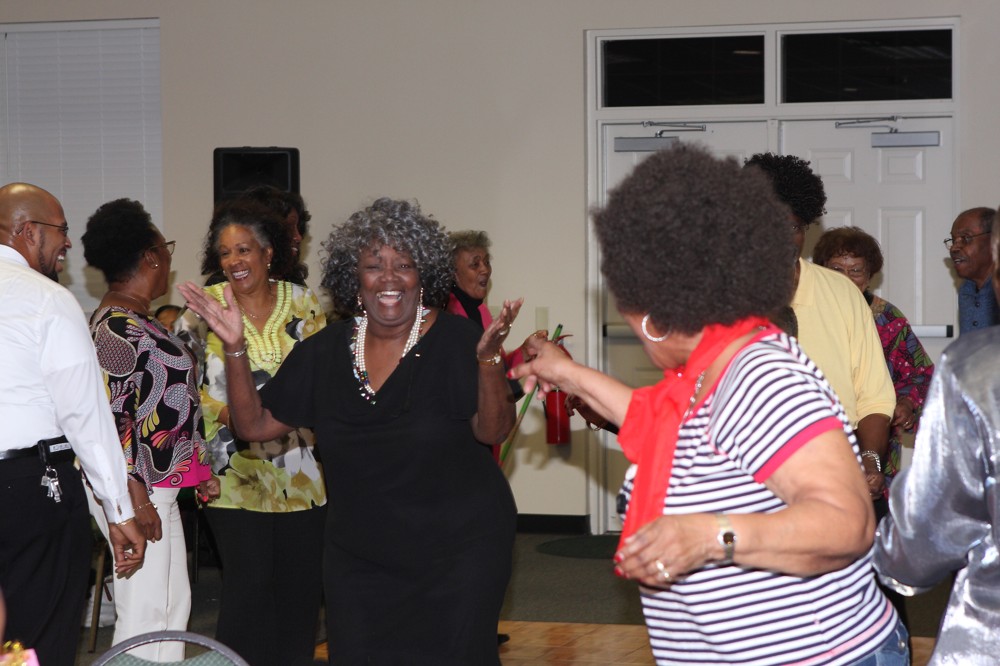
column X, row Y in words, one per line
column 157, row 597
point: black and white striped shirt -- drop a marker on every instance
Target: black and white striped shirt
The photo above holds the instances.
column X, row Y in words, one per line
column 770, row 401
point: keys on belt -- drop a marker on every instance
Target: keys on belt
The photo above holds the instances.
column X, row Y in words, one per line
column 51, row 452
column 50, row 478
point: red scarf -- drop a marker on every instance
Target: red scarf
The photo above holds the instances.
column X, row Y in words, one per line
column 653, row 420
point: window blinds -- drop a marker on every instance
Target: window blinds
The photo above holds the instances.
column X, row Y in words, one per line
column 80, row 117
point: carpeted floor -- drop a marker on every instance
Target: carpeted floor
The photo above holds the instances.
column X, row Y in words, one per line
column 598, row 547
column 577, row 585
column 548, row 577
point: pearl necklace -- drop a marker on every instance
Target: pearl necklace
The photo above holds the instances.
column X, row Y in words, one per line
column 358, row 345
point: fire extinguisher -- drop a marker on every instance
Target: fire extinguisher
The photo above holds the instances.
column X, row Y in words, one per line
column 556, row 418
column 556, row 415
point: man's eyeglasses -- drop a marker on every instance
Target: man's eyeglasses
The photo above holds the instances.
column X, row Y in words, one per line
column 169, row 245
column 963, row 239
column 63, row 228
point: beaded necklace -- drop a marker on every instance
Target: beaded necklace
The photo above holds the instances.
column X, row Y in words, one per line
column 265, row 346
column 694, row 396
column 358, row 349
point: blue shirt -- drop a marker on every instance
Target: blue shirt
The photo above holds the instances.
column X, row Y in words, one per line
column 977, row 308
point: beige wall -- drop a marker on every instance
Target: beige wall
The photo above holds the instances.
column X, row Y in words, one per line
column 475, row 108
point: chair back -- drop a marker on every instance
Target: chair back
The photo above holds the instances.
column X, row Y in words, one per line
column 217, row 654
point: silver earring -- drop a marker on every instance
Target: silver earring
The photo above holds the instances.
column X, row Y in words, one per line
column 361, row 306
column 645, row 331
column 421, row 302
column 156, row 265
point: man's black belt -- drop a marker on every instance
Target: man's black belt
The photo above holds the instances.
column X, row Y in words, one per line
column 56, row 450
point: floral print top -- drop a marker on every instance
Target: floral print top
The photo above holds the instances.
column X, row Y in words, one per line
column 909, row 366
column 282, row 474
column 151, row 381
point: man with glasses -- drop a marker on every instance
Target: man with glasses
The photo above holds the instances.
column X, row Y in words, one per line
column 53, row 408
column 945, row 511
column 969, row 247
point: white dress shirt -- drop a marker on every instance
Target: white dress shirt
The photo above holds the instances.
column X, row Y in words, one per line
column 51, row 382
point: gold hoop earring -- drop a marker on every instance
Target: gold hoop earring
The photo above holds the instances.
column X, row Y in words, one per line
column 645, row 331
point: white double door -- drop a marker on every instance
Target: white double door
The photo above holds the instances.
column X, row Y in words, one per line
column 903, row 196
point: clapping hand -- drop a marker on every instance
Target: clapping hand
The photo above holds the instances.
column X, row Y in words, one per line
column 225, row 321
column 493, row 337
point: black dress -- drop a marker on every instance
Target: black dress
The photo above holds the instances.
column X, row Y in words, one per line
column 421, row 521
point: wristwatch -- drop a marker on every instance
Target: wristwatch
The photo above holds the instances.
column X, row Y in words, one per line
column 726, row 538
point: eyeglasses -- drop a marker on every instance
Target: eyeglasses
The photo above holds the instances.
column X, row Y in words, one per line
column 63, row 228
column 800, row 226
column 849, row 272
column 963, row 239
column 169, row 245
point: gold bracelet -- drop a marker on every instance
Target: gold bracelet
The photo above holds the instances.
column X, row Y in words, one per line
column 143, row 506
column 124, row 522
column 495, row 360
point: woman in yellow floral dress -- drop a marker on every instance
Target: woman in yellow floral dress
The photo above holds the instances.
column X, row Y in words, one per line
column 268, row 521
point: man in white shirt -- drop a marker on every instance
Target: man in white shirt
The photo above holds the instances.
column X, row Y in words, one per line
column 51, row 389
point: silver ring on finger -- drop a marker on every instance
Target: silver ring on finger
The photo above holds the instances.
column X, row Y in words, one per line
column 663, row 571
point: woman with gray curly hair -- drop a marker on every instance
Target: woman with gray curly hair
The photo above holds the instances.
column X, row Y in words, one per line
column 748, row 524
column 402, row 396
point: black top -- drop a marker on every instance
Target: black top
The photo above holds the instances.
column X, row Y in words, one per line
column 470, row 305
column 406, row 479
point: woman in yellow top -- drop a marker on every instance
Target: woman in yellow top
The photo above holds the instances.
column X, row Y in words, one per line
column 268, row 520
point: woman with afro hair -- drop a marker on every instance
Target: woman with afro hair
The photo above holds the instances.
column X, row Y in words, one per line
column 744, row 554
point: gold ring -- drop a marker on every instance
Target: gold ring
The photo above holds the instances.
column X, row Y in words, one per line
column 504, row 331
column 663, row 570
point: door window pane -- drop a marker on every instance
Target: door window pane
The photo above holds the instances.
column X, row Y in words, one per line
column 866, row 66
column 683, row 71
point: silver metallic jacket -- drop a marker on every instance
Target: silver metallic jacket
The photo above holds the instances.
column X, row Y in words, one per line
column 945, row 509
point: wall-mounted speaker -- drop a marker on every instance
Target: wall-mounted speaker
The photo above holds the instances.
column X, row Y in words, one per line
column 237, row 169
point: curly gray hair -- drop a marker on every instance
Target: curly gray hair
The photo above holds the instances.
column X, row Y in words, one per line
column 403, row 227
column 463, row 240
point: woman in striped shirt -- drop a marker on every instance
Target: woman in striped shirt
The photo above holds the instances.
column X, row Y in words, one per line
column 748, row 523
